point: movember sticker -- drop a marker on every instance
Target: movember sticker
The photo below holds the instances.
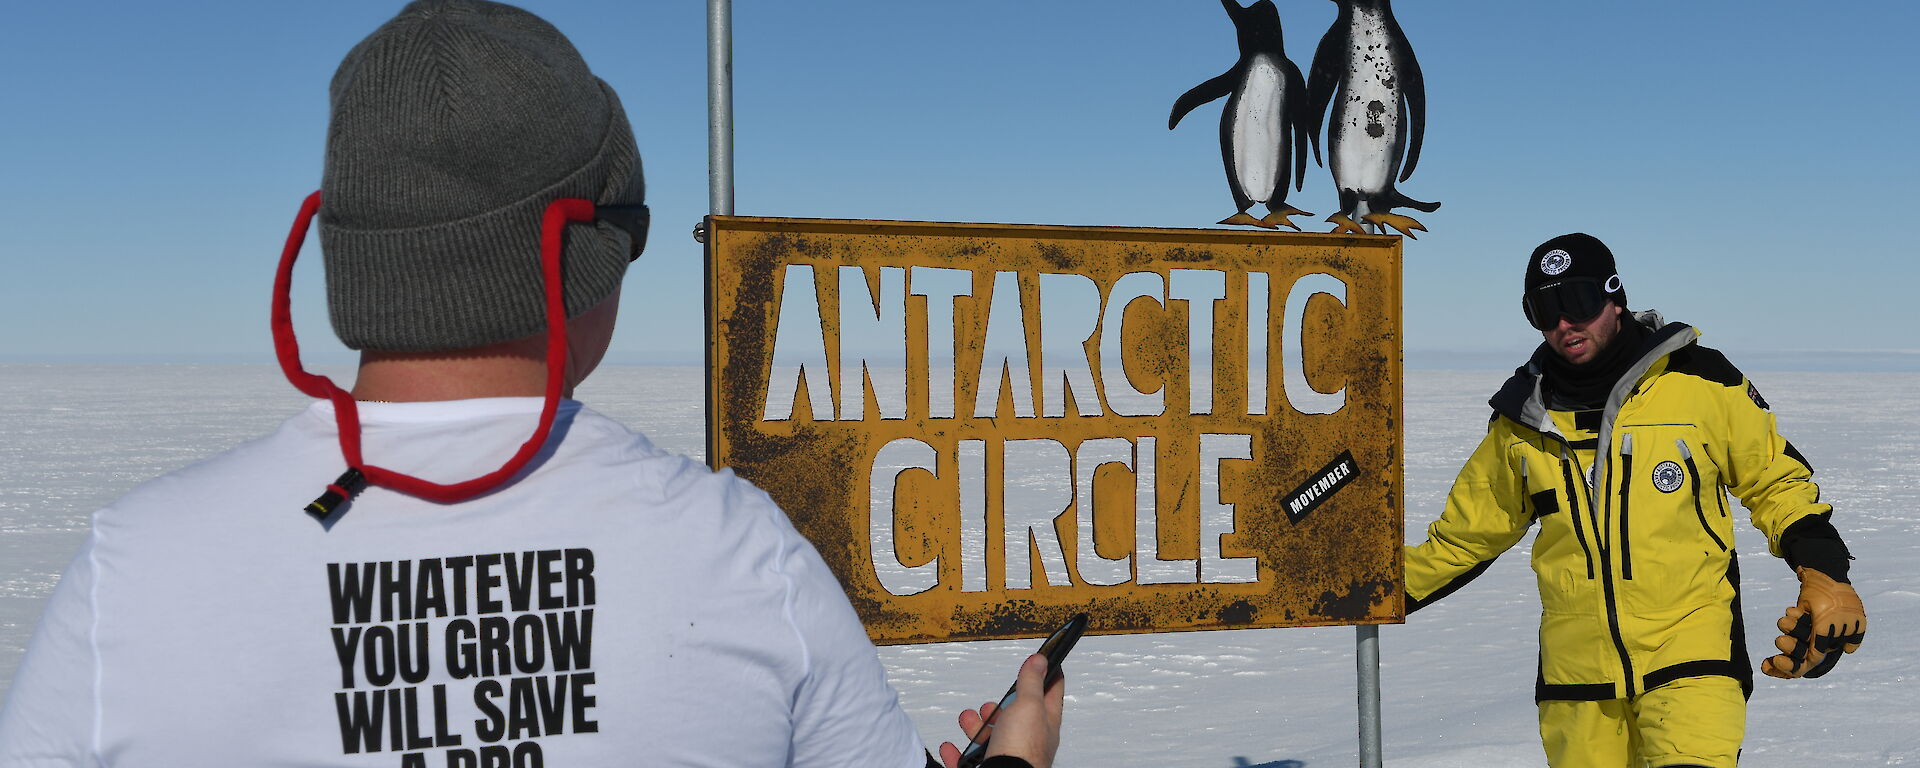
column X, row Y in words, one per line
column 1320, row 486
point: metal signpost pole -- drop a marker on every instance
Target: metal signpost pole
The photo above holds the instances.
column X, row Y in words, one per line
column 719, row 158
column 720, row 107
column 1367, row 659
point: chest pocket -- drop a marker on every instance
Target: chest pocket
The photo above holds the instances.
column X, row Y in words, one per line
column 1545, row 501
column 1561, row 503
column 1670, row 486
column 1698, row 489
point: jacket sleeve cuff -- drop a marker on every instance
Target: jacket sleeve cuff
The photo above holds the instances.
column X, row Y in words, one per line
column 1813, row 542
column 1452, row 586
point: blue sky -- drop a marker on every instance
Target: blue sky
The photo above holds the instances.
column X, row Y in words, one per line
column 1750, row 163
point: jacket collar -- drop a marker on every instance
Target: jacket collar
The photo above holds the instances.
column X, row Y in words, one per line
column 1522, row 400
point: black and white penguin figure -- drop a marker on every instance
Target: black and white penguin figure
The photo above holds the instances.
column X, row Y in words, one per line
column 1263, row 130
column 1366, row 68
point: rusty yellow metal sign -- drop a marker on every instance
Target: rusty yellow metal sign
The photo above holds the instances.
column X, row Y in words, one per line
column 986, row 428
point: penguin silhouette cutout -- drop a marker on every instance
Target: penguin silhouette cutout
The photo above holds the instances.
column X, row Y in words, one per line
column 1263, row 130
column 1365, row 67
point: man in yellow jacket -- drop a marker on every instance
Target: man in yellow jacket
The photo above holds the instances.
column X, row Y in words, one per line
column 1620, row 438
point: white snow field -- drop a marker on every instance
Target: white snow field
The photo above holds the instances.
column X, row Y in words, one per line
column 1458, row 678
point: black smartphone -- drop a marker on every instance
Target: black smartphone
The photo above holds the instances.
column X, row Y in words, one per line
column 1055, row 649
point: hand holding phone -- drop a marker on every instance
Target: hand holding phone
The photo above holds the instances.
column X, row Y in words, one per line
column 1039, row 676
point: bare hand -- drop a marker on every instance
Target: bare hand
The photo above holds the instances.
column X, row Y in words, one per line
column 1029, row 729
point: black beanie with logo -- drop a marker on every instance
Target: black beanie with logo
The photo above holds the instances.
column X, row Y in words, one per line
column 1576, row 255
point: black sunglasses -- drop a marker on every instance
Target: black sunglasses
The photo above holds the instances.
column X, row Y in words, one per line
column 634, row 219
column 1577, row 299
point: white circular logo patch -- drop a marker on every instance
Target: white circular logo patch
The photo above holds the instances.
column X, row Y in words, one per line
column 1667, row 476
column 1556, row 261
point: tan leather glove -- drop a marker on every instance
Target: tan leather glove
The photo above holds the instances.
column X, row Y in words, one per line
column 1829, row 619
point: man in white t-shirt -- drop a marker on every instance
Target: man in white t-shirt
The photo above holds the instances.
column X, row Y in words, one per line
column 591, row 601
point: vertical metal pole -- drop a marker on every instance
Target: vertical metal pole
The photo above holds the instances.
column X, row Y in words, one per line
column 1367, row 659
column 720, row 107
column 719, row 169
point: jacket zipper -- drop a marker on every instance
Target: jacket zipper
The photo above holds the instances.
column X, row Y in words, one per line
column 1698, row 508
column 1613, row 626
column 1573, row 507
column 1627, row 679
column 1719, row 493
column 1626, row 488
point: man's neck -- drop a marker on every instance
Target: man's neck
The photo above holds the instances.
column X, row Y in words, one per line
column 405, row 377
column 516, row 368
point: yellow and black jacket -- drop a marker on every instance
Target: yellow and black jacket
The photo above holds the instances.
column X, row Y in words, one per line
column 1638, row 581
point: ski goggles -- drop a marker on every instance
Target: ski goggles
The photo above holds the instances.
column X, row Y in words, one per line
column 1578, row 299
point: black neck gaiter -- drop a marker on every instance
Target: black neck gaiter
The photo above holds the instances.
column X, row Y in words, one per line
column 1585, row 386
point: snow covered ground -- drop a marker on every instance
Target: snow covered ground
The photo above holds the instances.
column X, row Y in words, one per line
column 1457, row 679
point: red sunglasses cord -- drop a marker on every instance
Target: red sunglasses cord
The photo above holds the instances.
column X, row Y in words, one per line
column 347, row 415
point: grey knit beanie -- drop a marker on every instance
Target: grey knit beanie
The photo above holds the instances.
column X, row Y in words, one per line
column 454, row 125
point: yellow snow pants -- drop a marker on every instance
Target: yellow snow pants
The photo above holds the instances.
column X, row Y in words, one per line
column 1690, row 721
